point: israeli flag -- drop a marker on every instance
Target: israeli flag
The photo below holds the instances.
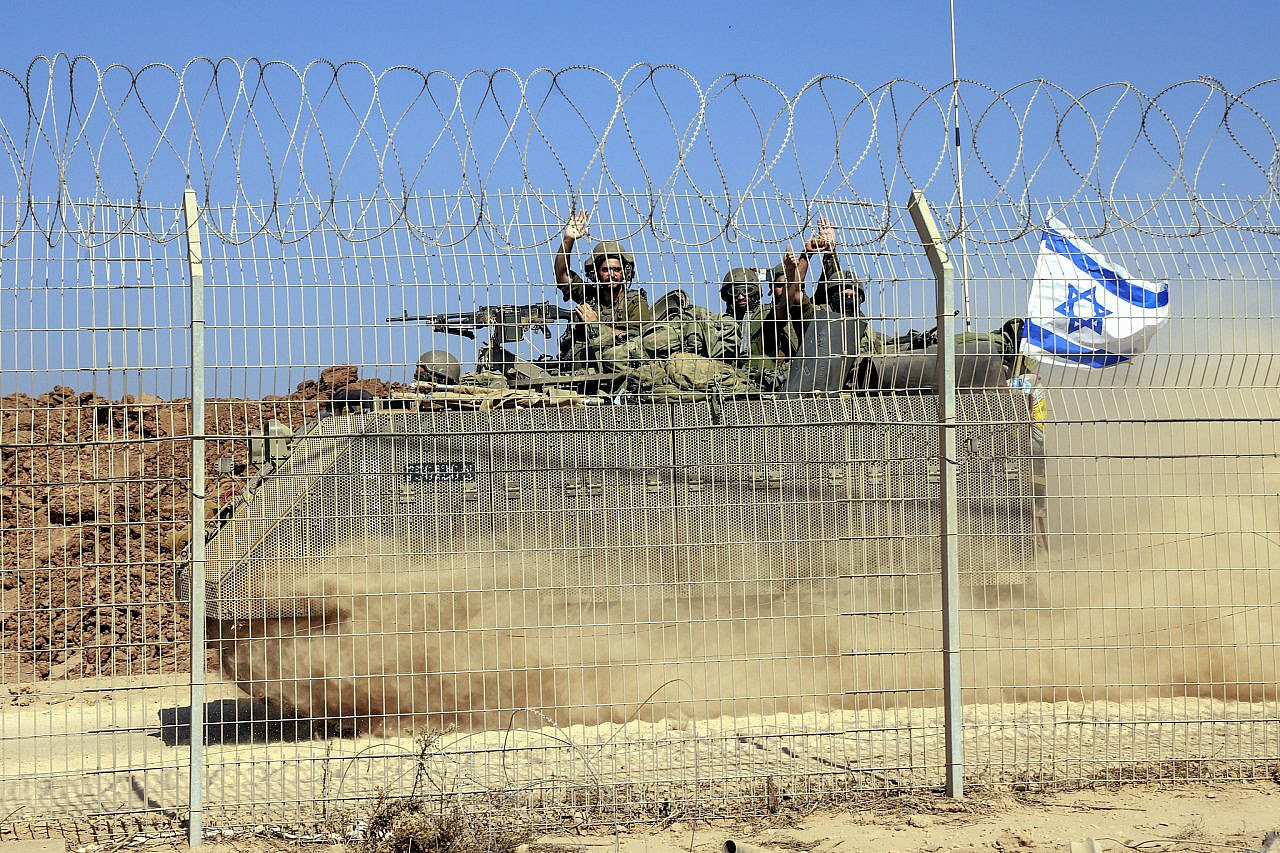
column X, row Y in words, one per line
column 1085, row 311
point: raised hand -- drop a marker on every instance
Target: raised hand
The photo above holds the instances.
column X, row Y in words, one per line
column 824, row 239
column 576, row 227
column 791, row 263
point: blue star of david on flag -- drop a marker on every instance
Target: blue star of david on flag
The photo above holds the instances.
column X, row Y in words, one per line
column 1076, row 320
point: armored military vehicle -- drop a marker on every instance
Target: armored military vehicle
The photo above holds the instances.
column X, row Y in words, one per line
column 826, row 477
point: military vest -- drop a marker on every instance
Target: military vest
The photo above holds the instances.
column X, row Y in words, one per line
column 582, row 342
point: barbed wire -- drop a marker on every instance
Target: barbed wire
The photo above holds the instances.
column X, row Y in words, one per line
column 268, row 139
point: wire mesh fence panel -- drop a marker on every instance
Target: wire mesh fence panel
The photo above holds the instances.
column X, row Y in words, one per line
column 96, row 486
column 624, row 500
column 615, row 592
column 1143, row 644
column 602, row 590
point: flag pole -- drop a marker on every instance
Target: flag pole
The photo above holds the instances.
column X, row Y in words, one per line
column 959, row 162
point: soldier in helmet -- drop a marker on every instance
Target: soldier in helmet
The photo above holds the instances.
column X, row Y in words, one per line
column 347, row 400
column 740, row 290
column 840, row 293
column 437, row 367
column 775, row 331
column 609, row 312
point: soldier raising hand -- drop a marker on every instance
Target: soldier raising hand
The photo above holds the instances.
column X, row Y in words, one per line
column 608, row 310
column 575, row 228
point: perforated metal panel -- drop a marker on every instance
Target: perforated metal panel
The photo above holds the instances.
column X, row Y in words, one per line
column 897, row 475
column 752, row 493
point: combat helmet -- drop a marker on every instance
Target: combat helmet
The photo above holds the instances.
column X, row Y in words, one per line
column 609, row 249
column 348, row 400
column 843, row 280
column 737, row 277
column 438, row 367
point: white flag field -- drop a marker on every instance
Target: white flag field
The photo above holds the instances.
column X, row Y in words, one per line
column 1086, row 311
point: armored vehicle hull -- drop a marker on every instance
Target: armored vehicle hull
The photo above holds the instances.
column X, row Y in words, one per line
column 733, row 495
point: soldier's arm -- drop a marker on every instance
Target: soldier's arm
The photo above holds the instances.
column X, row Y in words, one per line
column 595, row 331
column 797, row 266
column 561, row 266
column 830, row 266
column 575, row 228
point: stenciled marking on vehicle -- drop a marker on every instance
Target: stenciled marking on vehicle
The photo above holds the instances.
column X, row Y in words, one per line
column 440, row 472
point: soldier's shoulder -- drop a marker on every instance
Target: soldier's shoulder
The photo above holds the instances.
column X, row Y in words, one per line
column 637, row 305
column 575, row 290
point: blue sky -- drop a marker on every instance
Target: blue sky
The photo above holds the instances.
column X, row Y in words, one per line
column 1076, row 44
column 1078, row 47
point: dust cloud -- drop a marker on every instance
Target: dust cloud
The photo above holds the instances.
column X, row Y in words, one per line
column 1159, row 579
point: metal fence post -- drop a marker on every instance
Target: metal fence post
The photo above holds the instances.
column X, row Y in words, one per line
column 195, row 267
column 918, row 206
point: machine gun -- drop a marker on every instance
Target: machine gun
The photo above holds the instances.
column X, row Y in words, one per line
column 507, row 324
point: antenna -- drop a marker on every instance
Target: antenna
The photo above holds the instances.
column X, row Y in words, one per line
column 959, row 164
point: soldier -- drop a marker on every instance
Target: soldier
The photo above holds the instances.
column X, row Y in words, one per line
column 608, row 311
column 347, row 400
column 740, row 290
column 437, row 367
column 686, row 352
column 838, row 298
column 775, row 331
column 842, row 293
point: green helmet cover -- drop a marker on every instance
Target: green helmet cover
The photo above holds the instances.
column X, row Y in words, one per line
column 609, row 249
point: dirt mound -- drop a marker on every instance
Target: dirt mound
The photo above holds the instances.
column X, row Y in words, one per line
column 93, row 495
column 338, row 377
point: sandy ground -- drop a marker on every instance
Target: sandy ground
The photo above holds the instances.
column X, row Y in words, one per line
column 1142, row 817
column 1157, row 622
column 1153, row 818
column 110, row 759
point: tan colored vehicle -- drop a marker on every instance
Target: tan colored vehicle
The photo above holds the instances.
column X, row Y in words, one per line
column 748, row 491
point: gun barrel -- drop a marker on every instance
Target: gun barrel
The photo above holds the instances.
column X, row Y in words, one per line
column 496, row 315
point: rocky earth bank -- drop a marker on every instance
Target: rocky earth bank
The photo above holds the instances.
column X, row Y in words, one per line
column 94, row 499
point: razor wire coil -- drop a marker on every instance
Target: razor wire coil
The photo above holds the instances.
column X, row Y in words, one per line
column 268, row 139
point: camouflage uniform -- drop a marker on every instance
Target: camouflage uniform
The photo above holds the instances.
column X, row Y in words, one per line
column 682, row 326
column 582, row 342
column 684, row 352
column 774, row 339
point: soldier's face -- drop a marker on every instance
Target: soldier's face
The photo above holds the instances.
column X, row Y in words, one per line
column 846, row 300
column 742, row 300
column 610, row 271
